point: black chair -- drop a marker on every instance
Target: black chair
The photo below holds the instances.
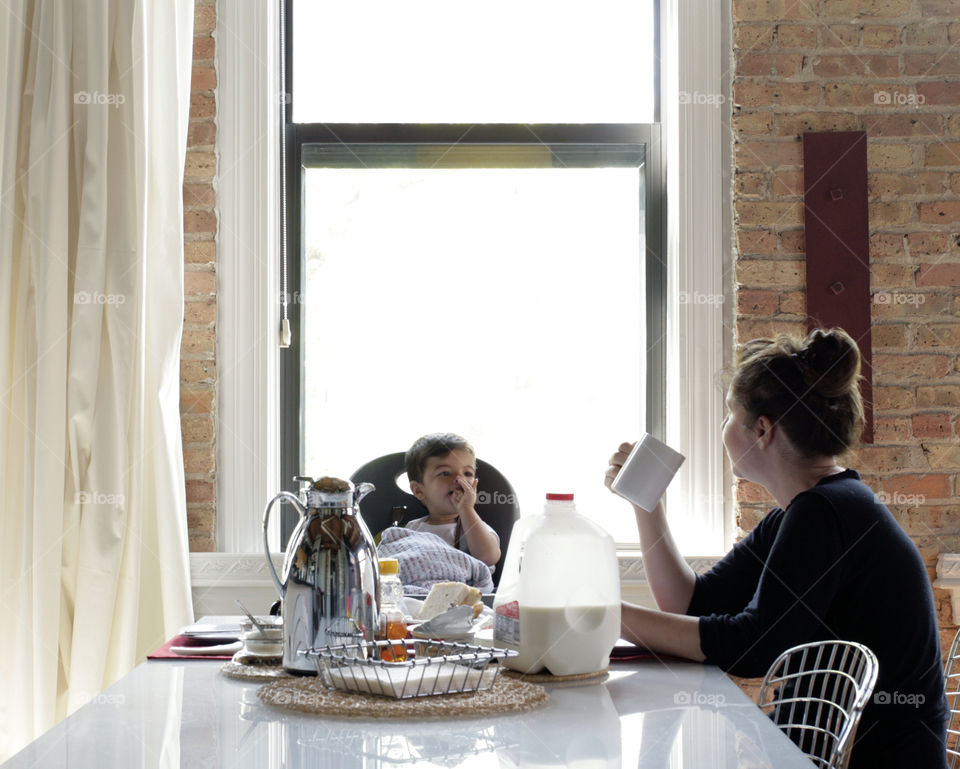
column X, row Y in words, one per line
column 496, row 499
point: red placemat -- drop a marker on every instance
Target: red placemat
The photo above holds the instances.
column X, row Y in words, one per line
column 164, row 653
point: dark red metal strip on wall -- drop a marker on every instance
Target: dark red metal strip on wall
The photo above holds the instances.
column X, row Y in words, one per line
column 838, row 243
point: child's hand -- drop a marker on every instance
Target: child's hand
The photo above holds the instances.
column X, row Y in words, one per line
column 466, row 498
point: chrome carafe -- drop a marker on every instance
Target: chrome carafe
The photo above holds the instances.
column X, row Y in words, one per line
column 331, row 579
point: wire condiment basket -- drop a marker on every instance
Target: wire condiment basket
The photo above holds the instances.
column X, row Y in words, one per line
column 432, row 667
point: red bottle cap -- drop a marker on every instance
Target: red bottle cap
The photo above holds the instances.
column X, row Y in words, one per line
column 561, row 497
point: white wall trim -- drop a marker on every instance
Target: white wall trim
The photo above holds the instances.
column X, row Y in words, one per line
column 248, row 312
column 632, row 570
column 634, row 586
column 948, row 578
column 246, row 569
column 218, row 579
column 694, row 106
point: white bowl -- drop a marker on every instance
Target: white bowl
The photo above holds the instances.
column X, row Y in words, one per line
column 268, row 642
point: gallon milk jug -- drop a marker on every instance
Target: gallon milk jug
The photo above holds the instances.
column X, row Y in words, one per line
column 558, row 603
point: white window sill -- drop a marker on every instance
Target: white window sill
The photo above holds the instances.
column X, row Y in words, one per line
column 218, row 579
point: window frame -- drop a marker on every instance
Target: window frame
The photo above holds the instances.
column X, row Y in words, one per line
column 699, row 248
column 600, row 136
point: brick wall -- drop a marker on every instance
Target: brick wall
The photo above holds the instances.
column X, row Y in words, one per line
column 892, row 69
column 198, row 367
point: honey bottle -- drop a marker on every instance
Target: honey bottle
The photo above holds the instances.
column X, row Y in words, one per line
column 393, row 626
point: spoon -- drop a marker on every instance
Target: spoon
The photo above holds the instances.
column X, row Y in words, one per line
column 259, row 625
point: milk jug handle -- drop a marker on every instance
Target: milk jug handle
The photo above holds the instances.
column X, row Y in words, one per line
column 292, row 499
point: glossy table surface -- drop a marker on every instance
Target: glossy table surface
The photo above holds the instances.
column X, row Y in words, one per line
column 645, row 714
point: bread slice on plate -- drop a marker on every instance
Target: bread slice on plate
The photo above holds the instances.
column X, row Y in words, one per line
column 444, row 595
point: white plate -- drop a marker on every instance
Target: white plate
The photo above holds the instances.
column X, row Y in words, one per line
column 203, row 651
column 262, row 655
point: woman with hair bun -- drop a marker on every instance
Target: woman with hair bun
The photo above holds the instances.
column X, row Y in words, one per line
column 829, row 562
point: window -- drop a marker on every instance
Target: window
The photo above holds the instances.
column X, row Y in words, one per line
column 503, row 61
column 501, row 280
column 252, row 414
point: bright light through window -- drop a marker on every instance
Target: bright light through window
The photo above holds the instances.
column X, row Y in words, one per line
column 501, row 61
column 500, row 303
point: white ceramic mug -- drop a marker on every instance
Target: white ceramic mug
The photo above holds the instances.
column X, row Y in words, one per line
column 647, row 472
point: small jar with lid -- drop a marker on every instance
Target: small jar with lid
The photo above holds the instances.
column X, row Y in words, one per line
column 393, row 626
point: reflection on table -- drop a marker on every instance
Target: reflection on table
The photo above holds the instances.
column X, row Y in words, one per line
column 645, row 714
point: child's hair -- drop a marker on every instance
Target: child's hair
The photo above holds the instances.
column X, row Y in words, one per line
column 808, row 387
column 433, row 445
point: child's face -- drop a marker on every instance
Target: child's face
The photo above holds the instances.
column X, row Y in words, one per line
column 440, row 492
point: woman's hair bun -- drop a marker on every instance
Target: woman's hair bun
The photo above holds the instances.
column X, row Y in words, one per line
column 821, row 371
column 832, row 362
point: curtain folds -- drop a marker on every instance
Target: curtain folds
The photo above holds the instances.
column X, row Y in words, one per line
column 94, row 100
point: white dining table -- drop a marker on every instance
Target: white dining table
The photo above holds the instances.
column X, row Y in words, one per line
column 647, row 713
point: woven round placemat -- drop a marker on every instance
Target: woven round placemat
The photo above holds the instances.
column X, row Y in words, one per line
column 549, row 678
column 259, row 673
column 309, row 695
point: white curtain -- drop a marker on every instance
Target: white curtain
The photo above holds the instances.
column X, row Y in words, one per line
column 94, row 98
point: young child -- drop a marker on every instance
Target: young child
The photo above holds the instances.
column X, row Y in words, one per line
column 441, row 468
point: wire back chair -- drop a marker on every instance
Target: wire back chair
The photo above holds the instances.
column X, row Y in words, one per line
column 816, row 693
column 951, row 675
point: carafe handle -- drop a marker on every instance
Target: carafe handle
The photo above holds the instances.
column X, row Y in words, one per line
column 292, row 499
column 360, row 491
